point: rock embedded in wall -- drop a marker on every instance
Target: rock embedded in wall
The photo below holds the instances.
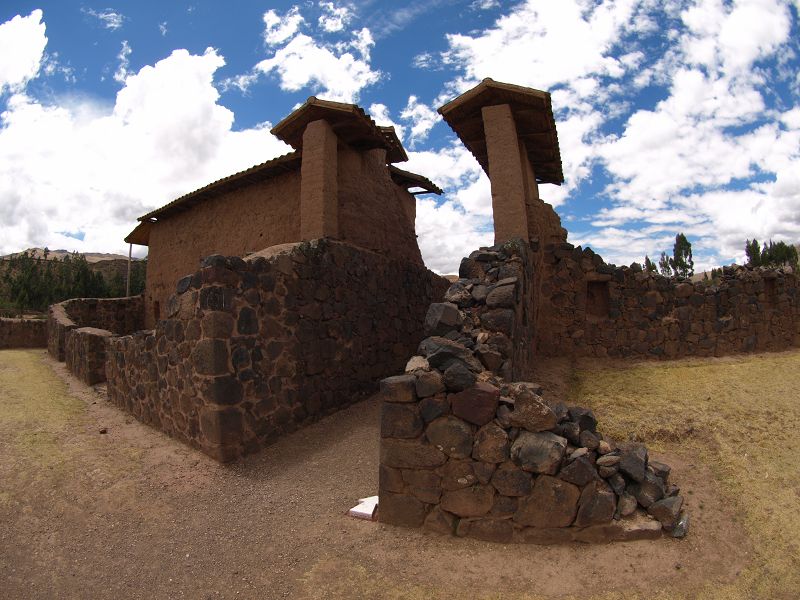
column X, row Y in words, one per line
column 475, row 454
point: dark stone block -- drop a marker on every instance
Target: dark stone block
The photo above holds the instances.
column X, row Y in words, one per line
column 458, row 377
column 499, row 319
column 597, row 505
column 400, row 388
column 225, row 390
column 510, row 480
column 408, row 454
column 477, row 404
column 400, row 420
column 248, row 321
column 451, row 435
column 553, row 503
column 584, row 417
column 210, row 357
column 633, row 460
column 434, row 407
column 441, row 318
column 474, row 501
column 183, row 284
column 580, row 471
column 539, row 452
column 401, row 509
column 216, row 298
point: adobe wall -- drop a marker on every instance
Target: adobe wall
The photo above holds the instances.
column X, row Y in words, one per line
column 467, row 449
column 23, row 333
column 120, row 316
column 250, row 350
column 589, row 308
column 374, row 212
column 237, row 223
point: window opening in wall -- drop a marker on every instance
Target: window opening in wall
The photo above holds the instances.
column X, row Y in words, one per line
column 597, row 299
column 770, row 291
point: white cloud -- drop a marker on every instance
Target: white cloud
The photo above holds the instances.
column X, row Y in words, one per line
column 122, row 69
column 303, row 63
column 108, row 17
column 22, row 44
column 76, row 165
column 484, row 4
column 420, row 117
column 334, row 18
column 380, row 114
column 300, row 61
column 279, row 29
column 162, row 28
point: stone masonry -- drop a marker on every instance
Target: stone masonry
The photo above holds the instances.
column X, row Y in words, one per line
column 23, row 333
column 466, row 451
column 253, row 349
column 589, row 308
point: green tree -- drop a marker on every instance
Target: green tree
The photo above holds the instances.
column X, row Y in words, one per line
column 665, row 265
column 682, row 262
column 753, row 252
column 649, row 265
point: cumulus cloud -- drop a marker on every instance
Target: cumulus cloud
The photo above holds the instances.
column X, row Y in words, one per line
column 334, row 18
column 108, row 17
column 22, row 45
column 337, row 71
column 165, row 135
column 380, row 114
column 421, row 119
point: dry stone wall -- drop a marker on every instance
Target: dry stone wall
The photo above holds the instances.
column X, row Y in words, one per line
column 253, row 349
column 589, row 308
column 466, row 452
column 23, row 333
column 120, row 316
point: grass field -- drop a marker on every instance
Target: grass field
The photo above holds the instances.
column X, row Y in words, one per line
column 742, row 415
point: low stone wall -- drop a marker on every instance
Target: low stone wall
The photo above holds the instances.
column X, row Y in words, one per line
column 465, row 452
column 85, row 353
column 23, row 333
column 589, row 308
column 120, row 316
column 253, row 349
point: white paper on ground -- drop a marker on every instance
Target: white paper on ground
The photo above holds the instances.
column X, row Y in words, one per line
column 365, row 509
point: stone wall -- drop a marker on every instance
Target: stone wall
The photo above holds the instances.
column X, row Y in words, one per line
column 589, row 308
column 464, row 451
column 85, row 353
column 23, row 333
column 252, row 349
column 120, row 316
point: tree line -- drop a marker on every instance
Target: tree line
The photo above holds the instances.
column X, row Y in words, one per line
column 33, row 283
column 681, row 264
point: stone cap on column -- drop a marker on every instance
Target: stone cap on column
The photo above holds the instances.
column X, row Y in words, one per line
column 349, row 122
column 533, row 116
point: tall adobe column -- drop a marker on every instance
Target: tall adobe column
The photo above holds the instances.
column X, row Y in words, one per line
column 506, row 173
column 511, row 132
column 319, row 205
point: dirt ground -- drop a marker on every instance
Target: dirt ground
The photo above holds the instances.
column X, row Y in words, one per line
column 131, row 513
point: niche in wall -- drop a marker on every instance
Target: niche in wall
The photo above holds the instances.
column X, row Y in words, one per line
column 597, row 300
column 770, row 291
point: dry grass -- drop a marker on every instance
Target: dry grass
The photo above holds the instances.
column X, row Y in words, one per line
column 742, row 415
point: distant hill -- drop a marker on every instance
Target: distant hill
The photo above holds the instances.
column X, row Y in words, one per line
column 106, row 264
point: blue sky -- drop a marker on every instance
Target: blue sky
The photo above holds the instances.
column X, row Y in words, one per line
column 672, row 115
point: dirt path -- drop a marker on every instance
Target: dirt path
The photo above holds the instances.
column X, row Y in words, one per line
column 131, row 513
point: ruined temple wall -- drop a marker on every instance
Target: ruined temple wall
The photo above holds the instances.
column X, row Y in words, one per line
column 23, row 333
column 589, row 308
column 374, row 212
column 120, row 316
column 251, row 350
column 236, row 223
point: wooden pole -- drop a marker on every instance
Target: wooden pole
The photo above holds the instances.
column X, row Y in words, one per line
column 128, row 279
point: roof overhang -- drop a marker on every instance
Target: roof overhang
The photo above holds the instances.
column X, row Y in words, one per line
column 349, row 122
column 408, row 180
column 140, row 234
column 533, row 116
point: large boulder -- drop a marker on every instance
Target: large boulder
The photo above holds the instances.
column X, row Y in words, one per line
column 553, row 503
column 597, row 505
column 474, row 501
column 539, row 452
column 441, row 318
column 477, row 404
column 451, row 435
